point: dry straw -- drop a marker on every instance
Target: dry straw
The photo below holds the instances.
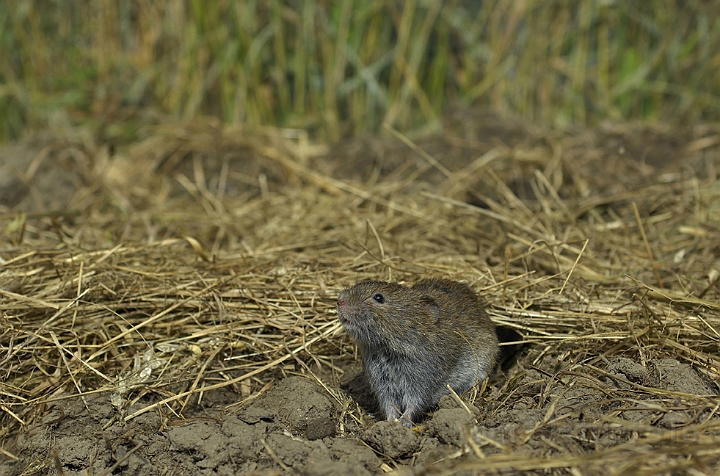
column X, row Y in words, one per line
column 172, row 291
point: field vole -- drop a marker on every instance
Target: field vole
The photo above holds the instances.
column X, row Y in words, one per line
column 416, row 340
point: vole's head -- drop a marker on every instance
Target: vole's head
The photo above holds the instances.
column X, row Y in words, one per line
column 377, row 313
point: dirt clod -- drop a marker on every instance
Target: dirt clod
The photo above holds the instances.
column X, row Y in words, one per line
column 392, row 439
column 299, row 404
column 449, row 424
column 320, row 428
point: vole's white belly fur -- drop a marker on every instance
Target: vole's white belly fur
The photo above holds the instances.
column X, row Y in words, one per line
column 406, row 386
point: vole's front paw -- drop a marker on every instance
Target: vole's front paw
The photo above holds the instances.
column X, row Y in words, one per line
column 406, row 418
column 406, row 423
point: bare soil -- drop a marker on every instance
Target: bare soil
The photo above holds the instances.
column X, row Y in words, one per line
column 293, row 426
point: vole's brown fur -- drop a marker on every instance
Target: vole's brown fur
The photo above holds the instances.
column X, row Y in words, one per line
column 416, row 340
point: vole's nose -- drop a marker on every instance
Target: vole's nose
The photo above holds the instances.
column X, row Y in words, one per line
column 342, row 301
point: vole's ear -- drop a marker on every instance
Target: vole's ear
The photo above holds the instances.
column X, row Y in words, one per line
column 431, row 305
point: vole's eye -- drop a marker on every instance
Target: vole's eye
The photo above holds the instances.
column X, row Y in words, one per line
column 379, row 298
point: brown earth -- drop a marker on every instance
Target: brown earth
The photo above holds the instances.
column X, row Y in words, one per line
column 293, row 426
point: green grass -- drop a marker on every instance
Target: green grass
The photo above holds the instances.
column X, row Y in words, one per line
column 339, row 68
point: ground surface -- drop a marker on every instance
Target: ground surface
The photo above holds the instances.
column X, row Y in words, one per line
column 293, row 426
column 612, row 376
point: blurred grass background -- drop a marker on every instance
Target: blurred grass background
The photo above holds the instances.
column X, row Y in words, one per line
column 341, row 68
